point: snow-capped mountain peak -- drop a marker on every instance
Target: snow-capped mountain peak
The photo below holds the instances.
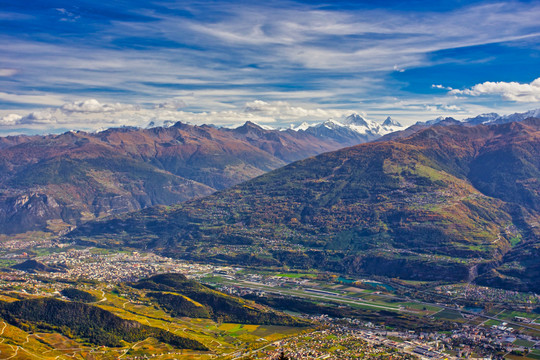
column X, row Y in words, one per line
column 302, row 126
column 391, row 122
column 355, row 119
column 493, row 118
column 331, row 124
column 350, row 129
column 483, row 118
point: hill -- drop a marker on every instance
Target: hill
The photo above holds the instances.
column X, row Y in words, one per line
column 88, row 322
column 149, row 318
column 54, row 182
column 447, row 202
column 32, row 266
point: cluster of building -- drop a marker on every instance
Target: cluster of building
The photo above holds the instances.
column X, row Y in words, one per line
column 492, row 340
column 484, row 294
column 115, row 267
column 469, row 341
column 13, row 247
column 334, row 343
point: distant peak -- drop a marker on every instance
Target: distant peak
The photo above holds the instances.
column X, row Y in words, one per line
column 249, row 127
column 440, row 120
column 355, row 119
column 302, row 126
column 391, row 122
column 252, row 125
column 179, row 125
column 168, row 123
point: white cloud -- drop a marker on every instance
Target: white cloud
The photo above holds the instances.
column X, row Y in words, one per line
column 451, row 107
column 283, row 110
column 40, row 99
column 513, row 91
column 10, row 119
column 171, row 104
column 91, row 114
column 87, row 114
column 67, row 15
column 344, row 40
column 39, row 117
column 94, row 106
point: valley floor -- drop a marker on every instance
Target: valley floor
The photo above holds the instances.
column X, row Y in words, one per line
column 351, row 317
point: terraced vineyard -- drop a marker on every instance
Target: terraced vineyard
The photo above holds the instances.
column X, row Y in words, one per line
column 131, row 323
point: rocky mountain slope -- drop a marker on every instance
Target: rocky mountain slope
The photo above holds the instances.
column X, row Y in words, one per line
column 53, row 182
column 447, row 202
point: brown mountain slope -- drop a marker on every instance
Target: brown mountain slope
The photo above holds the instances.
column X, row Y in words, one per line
column 49, row 182
column 443, row 203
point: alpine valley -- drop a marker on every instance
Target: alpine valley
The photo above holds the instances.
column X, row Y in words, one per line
column 455, row 202
column 270, row 180
column 196, row 242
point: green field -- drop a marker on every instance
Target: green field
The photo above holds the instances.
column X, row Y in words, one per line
column 448, row 315
column 524, row 343
column 509, row 315
column 492, row 322
column 296, row 276
column 417, row 306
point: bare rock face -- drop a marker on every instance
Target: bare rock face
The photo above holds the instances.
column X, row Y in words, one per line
column 27, row 211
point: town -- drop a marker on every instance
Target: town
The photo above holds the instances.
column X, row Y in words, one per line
column 489, row 333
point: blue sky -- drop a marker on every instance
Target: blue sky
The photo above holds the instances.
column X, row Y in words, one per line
column 91, row 64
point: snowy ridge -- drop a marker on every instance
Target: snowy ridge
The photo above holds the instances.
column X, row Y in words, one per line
column 353, row 123
column 488, row 118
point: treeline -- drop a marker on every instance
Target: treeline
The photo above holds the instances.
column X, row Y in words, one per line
column 79, row 295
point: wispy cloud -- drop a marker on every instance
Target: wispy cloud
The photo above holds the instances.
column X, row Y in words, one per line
column 36, row 99
column 7, row 72
column 212, row 58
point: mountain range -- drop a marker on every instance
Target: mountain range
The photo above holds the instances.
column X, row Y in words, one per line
column 352, row 127
column 56, row 181
column 447, row 202
column 487, row 119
